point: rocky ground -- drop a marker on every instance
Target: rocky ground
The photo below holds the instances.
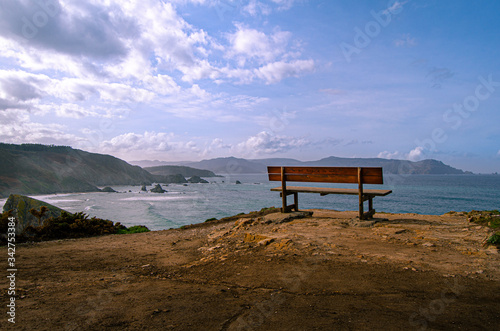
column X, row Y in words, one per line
column 317, row 270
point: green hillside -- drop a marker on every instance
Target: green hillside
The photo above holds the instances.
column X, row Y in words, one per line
column 40, row 169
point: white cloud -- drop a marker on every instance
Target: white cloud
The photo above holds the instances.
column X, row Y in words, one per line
column 17, row 128
column 284, row 4
column 389, row 155
column 249, row 43
column 73, row 111
column 267, row 143
column 147, row 142
column 161, row 84
column 255, row 7
column 416, row 154
column 276, row 71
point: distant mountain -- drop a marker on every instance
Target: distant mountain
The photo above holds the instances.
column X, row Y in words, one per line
column 167, row 170
column 40, row 169
column 229, row 165
column 278, row 162
column 390, row 166
column 155, row 163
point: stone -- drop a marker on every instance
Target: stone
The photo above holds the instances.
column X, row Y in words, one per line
column 108, row 190
column 286, row 217
column 158, row 189
column 196, row 180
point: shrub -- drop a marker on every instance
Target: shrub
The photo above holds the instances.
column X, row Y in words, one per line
column 133, row 229
column 494, row 239
column 489, row 218
column 68, row 225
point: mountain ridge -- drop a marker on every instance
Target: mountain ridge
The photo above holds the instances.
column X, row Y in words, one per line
column 390, row 166
column 47, row 169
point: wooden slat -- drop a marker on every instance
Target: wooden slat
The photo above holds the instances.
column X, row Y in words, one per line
column 347, row 175
column 327, row 190
column 360, row 192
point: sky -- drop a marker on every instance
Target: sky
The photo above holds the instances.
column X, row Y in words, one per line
column 187, row 80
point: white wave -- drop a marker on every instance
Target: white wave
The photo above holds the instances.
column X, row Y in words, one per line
column 150, row 198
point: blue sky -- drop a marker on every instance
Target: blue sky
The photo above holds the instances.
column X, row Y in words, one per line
column 197, row 79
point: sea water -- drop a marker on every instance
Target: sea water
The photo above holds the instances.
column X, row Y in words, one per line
column 222, row 197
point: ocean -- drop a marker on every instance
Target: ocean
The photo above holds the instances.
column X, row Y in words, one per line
column 222, row 197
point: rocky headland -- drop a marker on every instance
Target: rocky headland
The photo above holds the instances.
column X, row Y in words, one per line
column 315, row 269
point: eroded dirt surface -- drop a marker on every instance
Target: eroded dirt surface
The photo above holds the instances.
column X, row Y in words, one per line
column 325, row 271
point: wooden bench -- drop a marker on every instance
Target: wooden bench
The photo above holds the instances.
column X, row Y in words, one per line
column 349, row 175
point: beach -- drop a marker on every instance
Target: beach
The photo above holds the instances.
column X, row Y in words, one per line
column 315, row 269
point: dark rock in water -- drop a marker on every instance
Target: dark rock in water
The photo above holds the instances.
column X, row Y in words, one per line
column 108, row 189
column 158, row 189
column 197, row 179
column 174, row 179
column 21, row 206
column 143, row 188
column 238, row 182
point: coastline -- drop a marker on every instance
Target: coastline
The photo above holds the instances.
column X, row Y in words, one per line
column 275, row 271
column 181, row 205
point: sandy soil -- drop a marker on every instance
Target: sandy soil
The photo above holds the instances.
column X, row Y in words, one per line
column 327, row 271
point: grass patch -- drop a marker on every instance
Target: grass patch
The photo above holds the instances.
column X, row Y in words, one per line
column 133, row 229
column 65, row 226
column 488, row 218
column 494, row 239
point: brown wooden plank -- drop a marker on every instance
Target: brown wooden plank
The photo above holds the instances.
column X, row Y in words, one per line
column 328, row 190
column 369, row 171
column 360, row 192
column 371, row 175
column 315, row 178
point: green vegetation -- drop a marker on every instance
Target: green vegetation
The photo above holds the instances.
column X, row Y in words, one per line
column 494, row 239
column 66, row 226
column 132, row 229
column 40, row 169
column 489, row 218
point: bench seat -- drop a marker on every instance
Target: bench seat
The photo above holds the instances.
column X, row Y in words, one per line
column 327, row 190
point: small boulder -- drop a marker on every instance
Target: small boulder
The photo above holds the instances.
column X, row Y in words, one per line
column 158, row 189
column 108, row 190
column 197, row 179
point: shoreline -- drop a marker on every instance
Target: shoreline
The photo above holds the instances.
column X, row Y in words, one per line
column 314, row 269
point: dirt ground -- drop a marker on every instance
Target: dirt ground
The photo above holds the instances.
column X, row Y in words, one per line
column 327, row 271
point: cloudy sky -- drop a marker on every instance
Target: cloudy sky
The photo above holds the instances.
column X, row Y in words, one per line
column 197, row 79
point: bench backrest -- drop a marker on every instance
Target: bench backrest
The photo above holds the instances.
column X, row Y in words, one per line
column 349, row 175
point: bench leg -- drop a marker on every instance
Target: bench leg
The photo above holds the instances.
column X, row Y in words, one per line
column 369, row 214
column 361, row 214
column 296, row 201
